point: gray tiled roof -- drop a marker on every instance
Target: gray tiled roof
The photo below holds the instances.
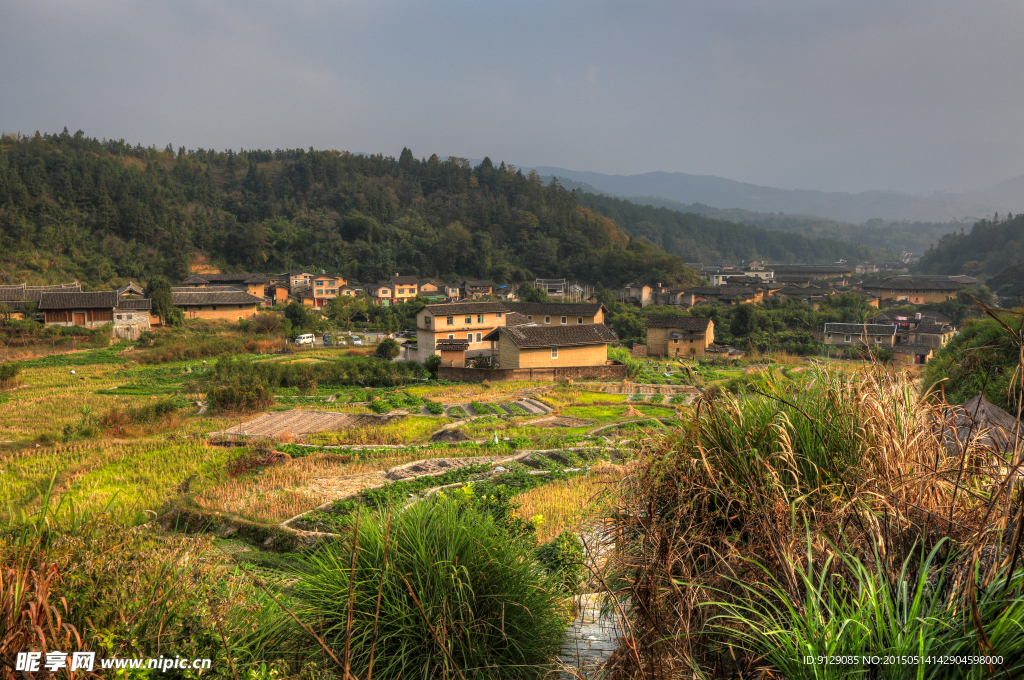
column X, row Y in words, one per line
column 103, row 299
column 456, row 308
column 214, row 297
column 139, row 304
column 911, row 282
column 555, row 308
column 860, row 328
column 516, row 319
column 683, row 323
column 453, row 345
column 558, row 336
column 931, row 328
column 24, row 293
column 912, row 349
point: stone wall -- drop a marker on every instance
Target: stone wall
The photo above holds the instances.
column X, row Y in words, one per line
column 609, row 371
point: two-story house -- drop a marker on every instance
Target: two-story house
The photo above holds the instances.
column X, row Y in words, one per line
column 326, row 287
column 679, row 336
column 868, row 334
column 469, row 321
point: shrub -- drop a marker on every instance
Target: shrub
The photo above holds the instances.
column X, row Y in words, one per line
column 388, row 349
column 657, row 398
column 432, row 363
column 435, row 407
column 380, row 406
column 563, row 557
column 9, row 374
column 677, row 399
column 455, row 592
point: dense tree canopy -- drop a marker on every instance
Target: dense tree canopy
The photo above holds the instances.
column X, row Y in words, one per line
column 987, row 249
column 105, row 211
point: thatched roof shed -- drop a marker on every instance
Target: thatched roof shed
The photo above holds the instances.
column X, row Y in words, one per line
column 983, row 424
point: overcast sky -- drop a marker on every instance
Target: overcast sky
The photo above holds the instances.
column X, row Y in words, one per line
column 914, row 95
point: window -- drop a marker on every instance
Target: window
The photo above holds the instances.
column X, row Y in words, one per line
column 469, row 336
column 529, row 318
column 479, row 318
column 547, row 319
column 426, row 321
column 498, row 315
column 451, row 320
column 239, row 306
column 214, row 308
column 579, row 319
column 129, row 316
column 878, row 339
column 118, row 316
column 554, row 352
column 829, row 336
column 565, row 320
column 451, row 336
column 479, row 337
column 675, row 341
column 847, row 338
column 469, row 318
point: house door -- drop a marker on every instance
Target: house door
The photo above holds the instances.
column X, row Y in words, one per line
column 79, row 318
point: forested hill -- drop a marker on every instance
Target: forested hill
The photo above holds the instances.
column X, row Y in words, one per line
column 72, row 207
column 987, row 249
column 102, row 212
column 697, row 238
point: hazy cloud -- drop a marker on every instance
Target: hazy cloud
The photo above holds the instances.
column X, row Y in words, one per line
column 916, row 95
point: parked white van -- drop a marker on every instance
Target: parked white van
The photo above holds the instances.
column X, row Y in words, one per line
column 306, row 339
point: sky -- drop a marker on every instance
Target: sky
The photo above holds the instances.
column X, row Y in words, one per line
column 913, row 95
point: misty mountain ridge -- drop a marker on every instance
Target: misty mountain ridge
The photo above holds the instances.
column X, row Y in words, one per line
column 719, row 192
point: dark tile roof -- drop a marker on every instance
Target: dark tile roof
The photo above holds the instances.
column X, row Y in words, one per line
column 516, row 319
column 479, row 283
column 913, row 282
column 456, row 308
column 135, row 304
column 453, row 345
column 555, row 308
column 104, row 299
column 558, row 336
column 932, row 328
column 202, row 289
column 794, row 269
column 214, row 297
column 911, row 349
column 683, row 323
column 24, row 293
column 860, row 328
column 402, row 280
column 130, row 287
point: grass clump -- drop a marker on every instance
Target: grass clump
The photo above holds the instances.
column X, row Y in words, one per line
column 677, row 399
column 434, row 590
column 435, row 408
column 457, row 412
column 657, row 398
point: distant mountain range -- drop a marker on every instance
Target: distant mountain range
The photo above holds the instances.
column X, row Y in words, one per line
column 719, row 192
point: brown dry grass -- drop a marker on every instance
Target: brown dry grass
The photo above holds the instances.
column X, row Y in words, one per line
column 301, row 484
column 572, row 503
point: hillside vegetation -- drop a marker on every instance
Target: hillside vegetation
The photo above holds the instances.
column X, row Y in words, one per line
column 75, row 207
column 697, row 238
column 987, row 249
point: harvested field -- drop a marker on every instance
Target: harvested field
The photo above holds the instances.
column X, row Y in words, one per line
column 299, row 423
column 562, row 421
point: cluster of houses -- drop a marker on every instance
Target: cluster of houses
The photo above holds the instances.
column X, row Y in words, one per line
column 500, row 331
column 753, row 282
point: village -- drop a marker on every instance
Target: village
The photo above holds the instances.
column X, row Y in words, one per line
column 482, row 331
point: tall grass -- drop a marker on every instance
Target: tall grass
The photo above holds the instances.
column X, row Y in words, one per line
column 802, row 505
column 433, row 591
